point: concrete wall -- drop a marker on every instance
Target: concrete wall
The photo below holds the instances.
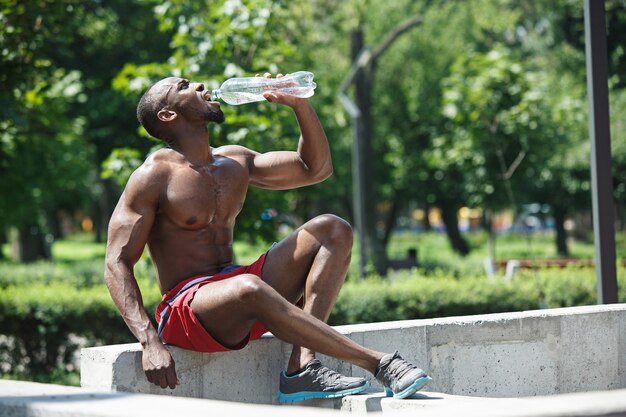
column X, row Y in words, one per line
column 531, row 353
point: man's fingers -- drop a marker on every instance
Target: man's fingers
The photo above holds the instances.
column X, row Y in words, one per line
column 172, row 379
column 173, row 382
column 163, row 378
column 163, row 381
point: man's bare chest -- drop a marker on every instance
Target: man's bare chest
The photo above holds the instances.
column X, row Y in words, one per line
column 199, row 197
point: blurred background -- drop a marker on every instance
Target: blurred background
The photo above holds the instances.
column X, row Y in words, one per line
column 474, row 143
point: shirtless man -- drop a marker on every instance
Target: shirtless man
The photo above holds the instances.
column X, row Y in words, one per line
column 182, row 202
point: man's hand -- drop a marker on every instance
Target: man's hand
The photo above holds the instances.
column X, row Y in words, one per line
column 281, row 98
column 158, row 365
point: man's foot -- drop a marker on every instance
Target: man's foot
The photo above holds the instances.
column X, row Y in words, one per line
column 400, row 378
column 317, row 381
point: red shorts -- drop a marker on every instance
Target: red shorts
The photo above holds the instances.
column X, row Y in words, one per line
column 179, row 326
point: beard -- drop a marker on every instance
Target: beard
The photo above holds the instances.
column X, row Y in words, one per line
column 206, row 113
column 216, row 116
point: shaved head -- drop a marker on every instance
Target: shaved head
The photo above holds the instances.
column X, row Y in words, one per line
column 153, row 101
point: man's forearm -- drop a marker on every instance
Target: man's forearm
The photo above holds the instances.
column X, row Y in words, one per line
column 313, row 145
column 127, row 297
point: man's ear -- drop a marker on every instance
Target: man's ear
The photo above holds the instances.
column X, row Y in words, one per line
column 165, row 115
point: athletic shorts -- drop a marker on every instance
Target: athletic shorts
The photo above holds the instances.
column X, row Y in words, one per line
column 179, row 326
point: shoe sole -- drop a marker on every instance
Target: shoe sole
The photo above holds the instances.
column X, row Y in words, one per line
column 410, row 390
column 311, row 395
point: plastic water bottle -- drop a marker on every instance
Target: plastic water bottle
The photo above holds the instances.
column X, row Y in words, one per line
column 251, row 89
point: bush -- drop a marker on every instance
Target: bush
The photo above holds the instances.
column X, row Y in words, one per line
column 79, row 274
column 44, row 323
column 414, row 296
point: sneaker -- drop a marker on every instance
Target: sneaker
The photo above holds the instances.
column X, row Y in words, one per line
column 317, row 381
column 400, row 378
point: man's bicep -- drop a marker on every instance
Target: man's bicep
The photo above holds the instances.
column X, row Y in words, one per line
column 278, row 170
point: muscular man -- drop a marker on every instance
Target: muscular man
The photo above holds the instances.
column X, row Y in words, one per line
column 183, row 202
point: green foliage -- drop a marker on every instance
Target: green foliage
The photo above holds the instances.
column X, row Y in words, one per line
column 412, row 295
column 72, row 72
column 120, row 164
column 56, row 110
column 44, row 321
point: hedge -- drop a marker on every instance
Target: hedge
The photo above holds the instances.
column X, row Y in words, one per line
column 43, row 322
column 411, row 296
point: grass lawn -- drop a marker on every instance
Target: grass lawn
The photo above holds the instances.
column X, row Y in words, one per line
column 433, row 250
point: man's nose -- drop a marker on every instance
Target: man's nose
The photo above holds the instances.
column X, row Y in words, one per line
column 199, row 87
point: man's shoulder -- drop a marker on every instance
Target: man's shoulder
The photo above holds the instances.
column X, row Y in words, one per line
column 152, row 173
column 158, row 163
column 162, row 158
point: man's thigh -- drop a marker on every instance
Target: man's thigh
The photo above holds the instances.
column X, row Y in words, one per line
column 218, row 307
column 288, row 263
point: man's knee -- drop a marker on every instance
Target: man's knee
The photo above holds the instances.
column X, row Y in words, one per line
column 250, row 289
column 335, row 228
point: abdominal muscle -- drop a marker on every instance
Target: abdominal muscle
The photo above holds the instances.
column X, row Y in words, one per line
column 179, row 253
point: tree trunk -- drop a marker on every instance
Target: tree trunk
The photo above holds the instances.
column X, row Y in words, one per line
column 364, row 86
column 3, row 241
column 32, row 244
column 54, row 224
column 561, row 235
column 426, row 221
column 449, row 218
column 363, row 82
column 102, row 208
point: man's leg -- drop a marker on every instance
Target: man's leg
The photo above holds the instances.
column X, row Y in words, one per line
column 228, row 309
column 311, row 263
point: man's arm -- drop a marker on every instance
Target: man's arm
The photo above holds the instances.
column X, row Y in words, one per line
column 310, row 164
column 128, row 233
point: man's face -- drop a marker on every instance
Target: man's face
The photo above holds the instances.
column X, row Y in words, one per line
column 191, row 100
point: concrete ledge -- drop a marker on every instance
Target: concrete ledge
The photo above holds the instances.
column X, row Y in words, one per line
column 532, row 353
column 433, row 404
column 28, row 399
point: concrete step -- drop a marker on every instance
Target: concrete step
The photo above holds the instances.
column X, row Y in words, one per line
column 437, row 404
column 28, row 399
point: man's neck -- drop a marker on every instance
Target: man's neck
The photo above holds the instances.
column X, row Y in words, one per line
column 194, row 148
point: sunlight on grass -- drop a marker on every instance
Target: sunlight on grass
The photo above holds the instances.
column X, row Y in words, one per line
column 433, row 249
column 70, row 250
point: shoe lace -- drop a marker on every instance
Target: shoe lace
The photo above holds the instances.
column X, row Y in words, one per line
column 398, row 368
column 325, row 375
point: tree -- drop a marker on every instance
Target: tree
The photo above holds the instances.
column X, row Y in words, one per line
column 105, row 37
column 364, row 64
column 42, row 158
column 61, row 59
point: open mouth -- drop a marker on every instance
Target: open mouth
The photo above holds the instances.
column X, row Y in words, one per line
column 206, row 95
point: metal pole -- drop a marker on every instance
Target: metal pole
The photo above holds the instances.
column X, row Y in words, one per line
column 600, row 141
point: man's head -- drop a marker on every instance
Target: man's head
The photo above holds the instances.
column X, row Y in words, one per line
column 175, row 100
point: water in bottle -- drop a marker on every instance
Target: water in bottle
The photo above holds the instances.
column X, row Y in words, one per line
column 251, row 89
